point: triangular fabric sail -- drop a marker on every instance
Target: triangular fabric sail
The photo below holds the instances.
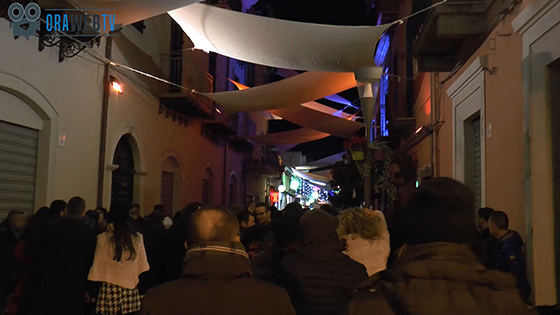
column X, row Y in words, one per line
column 295, row 136
column 279, row 43
column 315, row 116
column 319, row 121
column 288, row 92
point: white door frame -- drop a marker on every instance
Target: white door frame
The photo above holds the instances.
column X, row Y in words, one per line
column 465, row 87
column 539, row 26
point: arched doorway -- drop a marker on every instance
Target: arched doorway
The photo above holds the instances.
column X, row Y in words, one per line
column 122, row 183
column 208, row 187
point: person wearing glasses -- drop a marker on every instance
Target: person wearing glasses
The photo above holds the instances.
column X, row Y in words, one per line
column 262, row 213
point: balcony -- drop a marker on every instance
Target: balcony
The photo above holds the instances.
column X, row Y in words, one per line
column 182, row 102
column 452, row 32
column 266, row 163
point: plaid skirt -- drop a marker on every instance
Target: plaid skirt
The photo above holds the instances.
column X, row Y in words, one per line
column 114, row 300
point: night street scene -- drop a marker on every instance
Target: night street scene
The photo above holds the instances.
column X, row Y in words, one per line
column 282, row 157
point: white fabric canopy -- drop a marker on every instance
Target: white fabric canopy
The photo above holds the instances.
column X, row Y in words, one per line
column 314, row 178
column 292, row 91
column 130, row 11
column 319, row 121
column 279, row 43
column 296, row 136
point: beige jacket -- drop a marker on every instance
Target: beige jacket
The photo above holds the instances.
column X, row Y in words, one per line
column 124, row 273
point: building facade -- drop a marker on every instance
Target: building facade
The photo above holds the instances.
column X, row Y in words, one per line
column 491, row 120
column 159, row 144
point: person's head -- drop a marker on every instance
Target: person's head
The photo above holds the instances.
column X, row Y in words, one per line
column 440, row 210
column 363, row 223
column 57, row 208
column 483, row 217
column 293, row 209
column 92, row 218
column 134, row 211
column 76, row 207
column 93, row 215
column 245, row 219
column 262, row 213
column 328, row 208
column 498, row 223
column 103, row 213
column 16, row 219
column 123, row 234
column 212, row 224
column 159, row 209
column 319, row 227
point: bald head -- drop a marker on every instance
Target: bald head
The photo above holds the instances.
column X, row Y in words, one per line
column 212, row 224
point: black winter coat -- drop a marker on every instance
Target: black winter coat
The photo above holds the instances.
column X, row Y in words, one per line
column 509, row 258
column 438, row 279
column 217, row 280
column 59, row 274
column 321, row 278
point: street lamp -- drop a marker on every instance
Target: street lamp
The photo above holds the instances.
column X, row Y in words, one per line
column 367, row 80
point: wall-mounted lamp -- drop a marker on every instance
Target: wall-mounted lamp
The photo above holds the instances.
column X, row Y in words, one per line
column 117, row 87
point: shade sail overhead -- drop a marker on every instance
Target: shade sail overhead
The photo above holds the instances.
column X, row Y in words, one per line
column 314, row 178
column 326, row 109
column 319, row 121
column 279, row 43
column 130, row 11
column 296, row 136
column 292, row 91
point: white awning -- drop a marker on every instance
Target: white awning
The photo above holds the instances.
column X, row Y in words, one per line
column 292, row 91
column 313, row 178
column 130, row 11
column 296, row 136
column 319, row 121
column 279, row 43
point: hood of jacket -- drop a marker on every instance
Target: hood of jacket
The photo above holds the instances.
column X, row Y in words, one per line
column 318, row 235
column 217, row 261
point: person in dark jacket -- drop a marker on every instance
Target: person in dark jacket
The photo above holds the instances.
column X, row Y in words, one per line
column 435, row 272
column 246, row 220
column 10, row 232
column 508, row 256
column 63, row 263
column 485, row 244
column 320, row 278
column 137, row 220
column 217, row 275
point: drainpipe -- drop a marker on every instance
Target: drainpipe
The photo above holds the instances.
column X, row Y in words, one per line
column 103, row 131
column 432, row 101
column 225, row 174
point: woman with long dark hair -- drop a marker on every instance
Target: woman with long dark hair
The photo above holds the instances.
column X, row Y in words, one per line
column 120, row 257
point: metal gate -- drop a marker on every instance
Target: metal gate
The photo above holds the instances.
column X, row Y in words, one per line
column 477, row 166
column 18, row 165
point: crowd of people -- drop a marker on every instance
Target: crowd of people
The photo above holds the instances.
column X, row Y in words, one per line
column 427, row 258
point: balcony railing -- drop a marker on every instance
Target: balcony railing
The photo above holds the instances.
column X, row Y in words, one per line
column 449, row 33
